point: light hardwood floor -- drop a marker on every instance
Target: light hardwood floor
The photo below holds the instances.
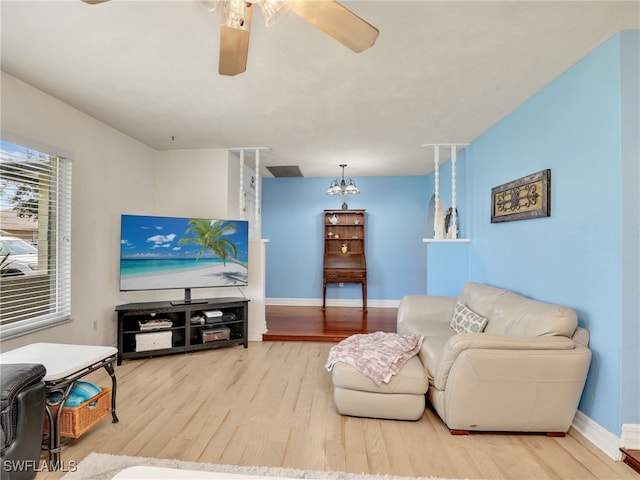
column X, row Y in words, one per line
column 271, row 405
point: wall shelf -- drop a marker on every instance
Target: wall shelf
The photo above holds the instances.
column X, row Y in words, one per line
column 446, row 240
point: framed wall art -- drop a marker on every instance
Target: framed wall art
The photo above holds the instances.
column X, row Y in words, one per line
column 526, row 197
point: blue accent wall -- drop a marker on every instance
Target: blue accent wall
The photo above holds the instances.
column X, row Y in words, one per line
column 575, row 257
column 584, row 127
column 630, row 55
column 396, row 222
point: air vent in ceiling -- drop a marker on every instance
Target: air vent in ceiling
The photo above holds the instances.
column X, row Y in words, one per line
column 285, row 171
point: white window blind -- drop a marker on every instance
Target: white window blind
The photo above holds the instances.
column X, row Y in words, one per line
column 35, row 211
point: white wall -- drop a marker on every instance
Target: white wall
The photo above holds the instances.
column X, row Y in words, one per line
column 205, row 183
column 192, row 183
column 112, row 174
column 115, row 174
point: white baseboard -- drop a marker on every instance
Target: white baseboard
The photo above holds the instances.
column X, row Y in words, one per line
column 317, row 302
column 254, row 336
column 604, row 439
column 598, row 435
column 631, row 436
column 294, row 302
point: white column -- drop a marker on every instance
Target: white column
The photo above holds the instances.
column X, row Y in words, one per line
column 241, row 206
column 242, row 200
column 452, row 226
column 437, row 217
column 258, row 228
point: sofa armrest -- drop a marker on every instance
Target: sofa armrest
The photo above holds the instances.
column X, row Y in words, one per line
column 22, row 398
column 581, row 336
column 15, row 378
column 416, row 309
column 462, row 342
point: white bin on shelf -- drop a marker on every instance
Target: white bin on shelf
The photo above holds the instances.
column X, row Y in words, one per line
column 153, row 341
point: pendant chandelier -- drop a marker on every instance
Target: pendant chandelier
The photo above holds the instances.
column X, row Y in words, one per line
column 343, row 187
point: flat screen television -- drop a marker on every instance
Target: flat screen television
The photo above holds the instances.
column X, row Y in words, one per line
column 162, row 253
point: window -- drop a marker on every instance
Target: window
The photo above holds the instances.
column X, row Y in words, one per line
column 35, row 243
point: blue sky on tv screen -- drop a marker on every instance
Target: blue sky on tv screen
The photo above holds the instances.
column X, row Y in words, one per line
column 150, row 237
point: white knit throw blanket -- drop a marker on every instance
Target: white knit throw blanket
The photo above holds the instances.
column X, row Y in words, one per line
column 378, row 355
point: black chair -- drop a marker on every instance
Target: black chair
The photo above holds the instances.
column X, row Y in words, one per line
column 22, row 408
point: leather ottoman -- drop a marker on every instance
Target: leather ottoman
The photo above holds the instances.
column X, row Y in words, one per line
column 403, row 398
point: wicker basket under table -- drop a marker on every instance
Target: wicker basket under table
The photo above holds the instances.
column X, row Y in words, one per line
column 74, row 421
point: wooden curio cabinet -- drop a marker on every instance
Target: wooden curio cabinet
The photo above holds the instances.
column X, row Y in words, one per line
column 344, row 253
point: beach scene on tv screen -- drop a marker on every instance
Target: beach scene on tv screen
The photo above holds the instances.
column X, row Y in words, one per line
column 170, row 252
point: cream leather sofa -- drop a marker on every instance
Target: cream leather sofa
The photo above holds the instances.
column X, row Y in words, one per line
column 525, row 372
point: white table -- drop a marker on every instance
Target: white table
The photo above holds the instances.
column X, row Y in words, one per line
column 65, row 364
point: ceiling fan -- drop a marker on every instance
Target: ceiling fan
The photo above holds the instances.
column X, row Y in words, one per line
column 327, row 15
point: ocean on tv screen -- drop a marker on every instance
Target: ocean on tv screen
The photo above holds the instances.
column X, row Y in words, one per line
column 175, row 252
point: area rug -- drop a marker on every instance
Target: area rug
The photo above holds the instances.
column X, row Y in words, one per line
column 102, row 466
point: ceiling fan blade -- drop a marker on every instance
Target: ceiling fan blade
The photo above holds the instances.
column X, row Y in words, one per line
column 337, row 21
column 94, row 2
column 234, row 47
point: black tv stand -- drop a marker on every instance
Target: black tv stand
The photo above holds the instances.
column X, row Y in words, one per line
column 188, row 330
column 187, row 299
column 178, row 303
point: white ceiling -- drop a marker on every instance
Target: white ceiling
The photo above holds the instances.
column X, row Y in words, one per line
column 440, row 72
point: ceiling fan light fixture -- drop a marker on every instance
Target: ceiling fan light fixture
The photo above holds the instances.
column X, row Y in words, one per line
column 327, row 15
column 209, row 5
column 273, row 10
column 234, row 14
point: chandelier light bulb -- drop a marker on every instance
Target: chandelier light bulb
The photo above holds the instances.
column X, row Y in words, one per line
column 273, row 10
column 209, row 5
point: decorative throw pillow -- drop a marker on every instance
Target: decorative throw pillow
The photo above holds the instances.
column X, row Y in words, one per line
column 465, row 320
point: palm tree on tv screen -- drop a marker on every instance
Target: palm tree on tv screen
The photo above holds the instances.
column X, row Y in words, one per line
column 211, row 235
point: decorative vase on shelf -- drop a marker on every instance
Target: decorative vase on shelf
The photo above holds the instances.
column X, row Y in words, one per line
column 449, row 229
column 438, row 221
column 344, row 248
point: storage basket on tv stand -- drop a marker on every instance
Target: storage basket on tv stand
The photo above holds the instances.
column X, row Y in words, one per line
column 74, row 421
